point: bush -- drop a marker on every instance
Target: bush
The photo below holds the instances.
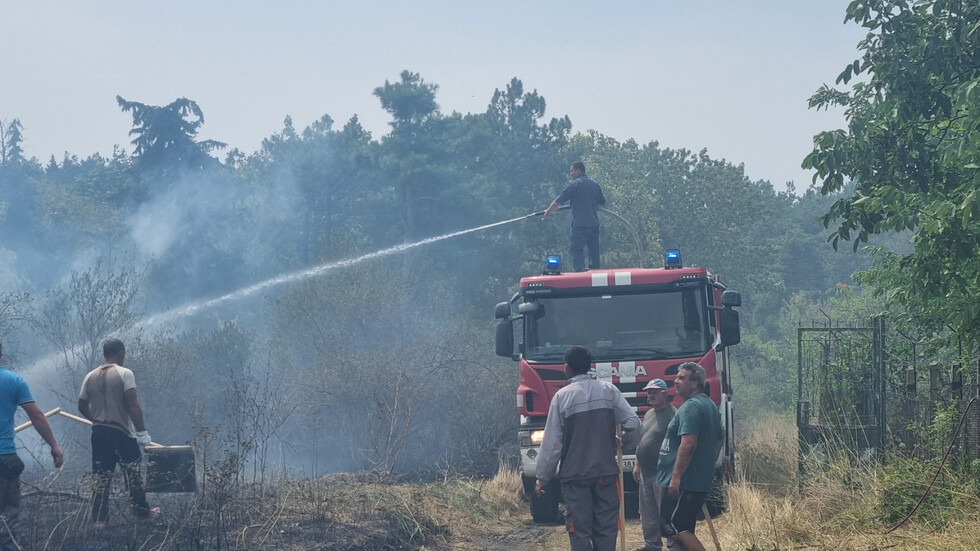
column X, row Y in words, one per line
column 901, row 487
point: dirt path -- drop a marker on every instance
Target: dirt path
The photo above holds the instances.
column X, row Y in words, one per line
column 525, row 535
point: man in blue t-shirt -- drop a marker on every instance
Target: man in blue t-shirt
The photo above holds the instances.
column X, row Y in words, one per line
column 14, row 392
column 586, row 197
column 688, row 456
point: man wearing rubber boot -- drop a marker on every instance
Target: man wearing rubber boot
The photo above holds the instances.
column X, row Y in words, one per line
column 581, row 433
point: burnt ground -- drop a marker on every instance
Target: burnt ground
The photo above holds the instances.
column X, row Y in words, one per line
column 337, row 512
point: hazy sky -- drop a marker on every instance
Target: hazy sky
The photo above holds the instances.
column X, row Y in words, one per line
column 732, row 77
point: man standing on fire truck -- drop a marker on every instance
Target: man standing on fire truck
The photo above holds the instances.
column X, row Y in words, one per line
column 581, row 432
column 586, row 197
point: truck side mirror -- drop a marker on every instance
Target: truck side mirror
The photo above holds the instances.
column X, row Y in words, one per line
column 505, row 338
column 729, row 327
column 501, row 311
column 731, row 298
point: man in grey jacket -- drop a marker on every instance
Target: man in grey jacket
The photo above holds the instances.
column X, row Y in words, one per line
column 581, row 433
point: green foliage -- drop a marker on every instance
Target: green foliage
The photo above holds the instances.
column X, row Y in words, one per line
column 320, row 181
column 11, row 138
column 766, row 366
column 165, row 136
column 64, row 208
column 764, row 375
column 410, row 101
column 901, row 487
column 911, row 150
column 952, row 495
column 940, row 433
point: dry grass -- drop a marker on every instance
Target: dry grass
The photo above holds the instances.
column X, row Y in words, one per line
column 503, row 492
column 836, row 508
column 767, row 455
column 761, row 522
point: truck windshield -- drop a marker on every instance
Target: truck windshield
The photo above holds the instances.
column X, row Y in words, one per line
column 620, row 327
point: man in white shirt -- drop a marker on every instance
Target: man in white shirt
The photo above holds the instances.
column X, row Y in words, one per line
column 108, row 399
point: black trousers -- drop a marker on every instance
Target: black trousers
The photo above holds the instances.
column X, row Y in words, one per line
column 581, row 237
column 10, row 468
column 109, row 447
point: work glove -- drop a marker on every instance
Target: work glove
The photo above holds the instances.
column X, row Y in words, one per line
column 142, row 438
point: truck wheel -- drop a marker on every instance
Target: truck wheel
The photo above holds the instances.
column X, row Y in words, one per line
column 631, row 502
column 544, row 509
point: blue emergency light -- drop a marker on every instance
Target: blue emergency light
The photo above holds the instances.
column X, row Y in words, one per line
column 552, row 265
column 672, row 258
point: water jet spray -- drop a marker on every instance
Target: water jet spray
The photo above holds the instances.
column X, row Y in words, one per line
column 195, row 307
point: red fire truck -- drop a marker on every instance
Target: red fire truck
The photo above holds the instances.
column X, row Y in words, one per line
column 639, row 324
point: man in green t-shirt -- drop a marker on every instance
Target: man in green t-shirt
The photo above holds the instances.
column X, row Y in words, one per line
column 687, row 457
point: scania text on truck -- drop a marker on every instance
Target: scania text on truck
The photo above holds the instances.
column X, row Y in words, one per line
column 639, row 324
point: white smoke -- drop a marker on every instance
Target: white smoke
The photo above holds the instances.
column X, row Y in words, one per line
column 9, row 278
column 153, row 225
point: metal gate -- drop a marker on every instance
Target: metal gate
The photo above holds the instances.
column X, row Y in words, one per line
column 841, row 381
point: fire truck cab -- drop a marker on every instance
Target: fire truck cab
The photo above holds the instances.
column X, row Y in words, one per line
column 639, row 324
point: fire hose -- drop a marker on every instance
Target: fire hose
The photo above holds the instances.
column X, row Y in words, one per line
column 636, row 235
column 58, row 411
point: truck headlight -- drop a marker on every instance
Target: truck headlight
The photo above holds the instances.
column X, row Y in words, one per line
column 537, row 436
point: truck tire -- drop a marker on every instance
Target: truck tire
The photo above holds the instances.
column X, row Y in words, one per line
column 544, row 509
column 631, row 502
